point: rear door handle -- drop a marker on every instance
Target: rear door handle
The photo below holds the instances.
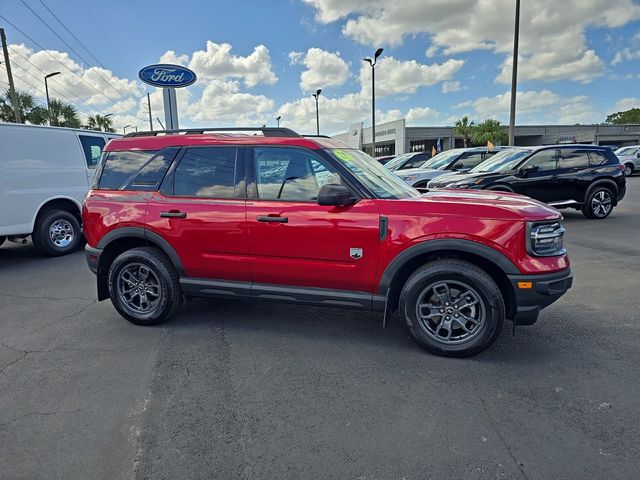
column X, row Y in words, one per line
column 173, row 214
column 275, row 219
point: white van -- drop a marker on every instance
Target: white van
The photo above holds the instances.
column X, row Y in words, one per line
column 45, row 173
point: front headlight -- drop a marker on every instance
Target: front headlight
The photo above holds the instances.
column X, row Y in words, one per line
column 545, row 239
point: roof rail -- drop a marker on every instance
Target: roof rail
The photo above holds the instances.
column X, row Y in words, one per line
column 316, row 136
column 266, row 131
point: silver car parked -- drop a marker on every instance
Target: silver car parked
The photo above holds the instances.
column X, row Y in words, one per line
column 630, row 157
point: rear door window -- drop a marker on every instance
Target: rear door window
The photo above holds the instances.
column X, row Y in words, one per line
column 573, row 159
column 92, row 147
column 207, row 172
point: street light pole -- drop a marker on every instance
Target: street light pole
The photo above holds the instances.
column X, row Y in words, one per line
column 316, row 96
column 46, row 90
column 514, row 77
column 372, row 62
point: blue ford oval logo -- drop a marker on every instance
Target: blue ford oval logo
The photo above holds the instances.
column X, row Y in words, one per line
column 165, row 75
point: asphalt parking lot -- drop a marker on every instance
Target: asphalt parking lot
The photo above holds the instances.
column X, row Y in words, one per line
column 264, row 391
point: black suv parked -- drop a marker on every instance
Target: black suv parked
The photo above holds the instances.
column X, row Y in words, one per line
column 585, row 177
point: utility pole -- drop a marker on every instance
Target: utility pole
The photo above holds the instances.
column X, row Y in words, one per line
column 514, row 78
column 149, row 104
column 12, row 88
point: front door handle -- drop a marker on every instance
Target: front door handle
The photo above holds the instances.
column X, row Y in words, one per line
column 273, row 218
column 173, row 214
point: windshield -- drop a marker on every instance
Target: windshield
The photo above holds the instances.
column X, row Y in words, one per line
column 626, row 151
column 441, row 160
column 397, row 162
column 502, row 161
column 374, row 176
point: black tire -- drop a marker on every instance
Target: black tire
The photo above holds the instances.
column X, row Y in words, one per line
column 596, row 201
column 2, row 240
column 460, row 276
column 161, row 306
column 56, row 233
column 628, row 169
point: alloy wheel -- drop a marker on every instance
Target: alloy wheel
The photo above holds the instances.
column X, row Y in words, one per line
column 138, row 289
column 450, row 312
column 601, row 203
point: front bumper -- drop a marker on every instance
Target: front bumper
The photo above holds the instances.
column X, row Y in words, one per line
column 535, row 292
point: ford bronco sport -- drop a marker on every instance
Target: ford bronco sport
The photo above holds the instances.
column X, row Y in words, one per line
column 268, row 214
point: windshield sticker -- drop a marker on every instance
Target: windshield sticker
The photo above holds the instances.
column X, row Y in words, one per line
column 343, row 155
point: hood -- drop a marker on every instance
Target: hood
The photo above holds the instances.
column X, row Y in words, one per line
column 420, row 173
column 484, row 204
column 464, row 178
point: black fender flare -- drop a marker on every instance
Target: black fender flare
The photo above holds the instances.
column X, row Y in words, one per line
column 459, row 245
column 598, row 183
column 500, row 187
column 138, row 232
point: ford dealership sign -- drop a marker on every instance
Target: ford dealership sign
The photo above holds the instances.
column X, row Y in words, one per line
column 167, row 76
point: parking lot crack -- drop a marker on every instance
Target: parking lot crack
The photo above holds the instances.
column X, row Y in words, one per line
column 43, row 414
column 32, row 297
column 66, row 317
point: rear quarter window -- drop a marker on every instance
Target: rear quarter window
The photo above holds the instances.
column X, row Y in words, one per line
column 135, row 169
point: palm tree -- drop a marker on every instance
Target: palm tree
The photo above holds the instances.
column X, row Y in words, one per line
column 29, row 110
column 100, row 122
column 489, row 131
column 464, row 128
column 63, row 114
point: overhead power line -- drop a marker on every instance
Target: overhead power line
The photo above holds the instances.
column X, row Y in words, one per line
column 107, row 82
column 63, row 64
column 92, row 107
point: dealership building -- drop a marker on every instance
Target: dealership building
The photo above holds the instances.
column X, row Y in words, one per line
column 395, row 137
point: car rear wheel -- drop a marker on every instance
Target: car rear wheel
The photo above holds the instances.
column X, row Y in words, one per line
column 599, row 204
column 144, row 286
column 452, row 308
column 628, row 169
column 57, row 233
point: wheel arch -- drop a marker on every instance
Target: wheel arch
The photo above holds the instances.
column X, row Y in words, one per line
column 500, row 187
column 613, row 186
column 68, row 204
column 493, row 262
column 122, row 239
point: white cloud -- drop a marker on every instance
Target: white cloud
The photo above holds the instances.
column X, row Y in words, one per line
column 222, row 103
column 552, row 36
column 405, row 77
column 83, row 87
column 626, row 104
column 218, row 63
column 422, row 114
column 626, row 54
column 324, row 69
column 542, row 106
column 451, row 86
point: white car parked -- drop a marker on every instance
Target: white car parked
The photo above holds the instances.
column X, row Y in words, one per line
column 630, row 157
column 45, row 173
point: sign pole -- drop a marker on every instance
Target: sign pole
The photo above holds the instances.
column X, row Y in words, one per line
column 170, row 108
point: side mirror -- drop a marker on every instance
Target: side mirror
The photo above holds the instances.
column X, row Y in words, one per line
column 335, row 195
column 458, row 166
column 529, row 169
column 638, row 154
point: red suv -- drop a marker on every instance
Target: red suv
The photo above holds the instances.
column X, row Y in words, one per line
column 267, row 214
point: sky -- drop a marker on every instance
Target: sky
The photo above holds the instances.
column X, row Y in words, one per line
column 255, row 60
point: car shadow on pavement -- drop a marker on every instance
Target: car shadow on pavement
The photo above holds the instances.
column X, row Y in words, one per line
column 351, row 328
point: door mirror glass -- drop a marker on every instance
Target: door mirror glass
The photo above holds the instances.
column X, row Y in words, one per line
column 529, row 169
column 335, row 195
column 458, row 166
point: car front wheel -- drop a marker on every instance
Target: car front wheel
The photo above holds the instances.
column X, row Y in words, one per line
column 144, row 286
column 599, row 204
column 452, row 308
